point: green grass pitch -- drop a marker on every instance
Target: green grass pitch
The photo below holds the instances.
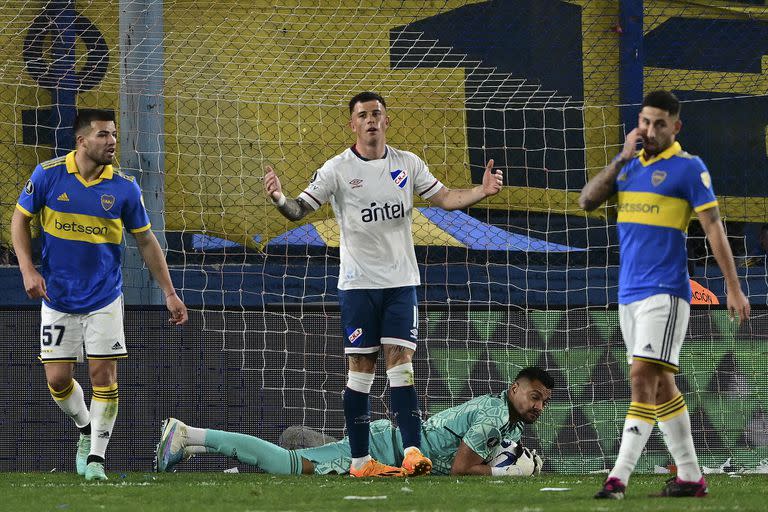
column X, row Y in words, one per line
column 137, row 492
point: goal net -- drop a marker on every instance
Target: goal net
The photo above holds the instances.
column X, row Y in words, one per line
column 546, row 88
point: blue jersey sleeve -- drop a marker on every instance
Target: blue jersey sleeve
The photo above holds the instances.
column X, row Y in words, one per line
column 698, row 186
column 134, row 214
column 32, row 198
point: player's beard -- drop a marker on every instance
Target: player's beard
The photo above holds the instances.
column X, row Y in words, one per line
column 102, row 158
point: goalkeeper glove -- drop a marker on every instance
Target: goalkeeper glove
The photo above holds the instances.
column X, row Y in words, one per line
column 528, row 463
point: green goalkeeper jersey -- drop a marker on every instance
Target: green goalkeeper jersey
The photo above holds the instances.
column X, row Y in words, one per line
column 481, row 423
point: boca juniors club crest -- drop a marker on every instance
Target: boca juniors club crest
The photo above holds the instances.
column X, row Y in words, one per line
column 657, row 177
column 107, row 201
column 400, row 177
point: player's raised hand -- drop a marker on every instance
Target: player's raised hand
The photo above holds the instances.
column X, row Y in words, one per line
column 272, row 184
column 738, row 305
column 34, row 285
column 178, row 310
column 630, row 144
column 492, row 181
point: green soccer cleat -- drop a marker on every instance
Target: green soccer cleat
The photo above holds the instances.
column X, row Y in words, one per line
column 83, row 449
column 95, row 471
column 170, row 449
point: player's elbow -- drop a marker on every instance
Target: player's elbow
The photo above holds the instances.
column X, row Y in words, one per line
column 586, row 204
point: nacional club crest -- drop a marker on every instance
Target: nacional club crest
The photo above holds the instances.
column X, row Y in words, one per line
column 706, row 179
column 657, row 177
column 400, row 177
column 107, row 201
column 352, row 336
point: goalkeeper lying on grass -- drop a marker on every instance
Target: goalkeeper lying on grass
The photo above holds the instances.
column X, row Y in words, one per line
column 478, row 437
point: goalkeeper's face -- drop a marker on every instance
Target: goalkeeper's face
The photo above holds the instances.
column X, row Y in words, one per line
column 528, row 399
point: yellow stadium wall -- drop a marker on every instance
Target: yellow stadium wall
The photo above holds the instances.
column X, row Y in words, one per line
column 249, row 84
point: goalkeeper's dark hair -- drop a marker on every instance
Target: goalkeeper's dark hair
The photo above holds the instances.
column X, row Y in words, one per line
column 663, row 100
column 363, row 97
column 86, row 115
column 539, row 374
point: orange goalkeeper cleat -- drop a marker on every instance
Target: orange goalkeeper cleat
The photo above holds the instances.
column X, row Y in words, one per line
column 415, row 463
column 375, row 469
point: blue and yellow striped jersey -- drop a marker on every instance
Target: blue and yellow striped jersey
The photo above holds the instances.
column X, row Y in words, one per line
column 656, row 198
column 82, row 231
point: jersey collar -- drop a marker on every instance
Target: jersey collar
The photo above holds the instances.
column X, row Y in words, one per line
column 106, row 174
column 361, row 157
column 671, row 151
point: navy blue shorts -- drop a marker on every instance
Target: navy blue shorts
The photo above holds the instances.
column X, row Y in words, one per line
column 371, row 318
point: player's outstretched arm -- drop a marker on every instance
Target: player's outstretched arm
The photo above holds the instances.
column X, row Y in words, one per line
column 738, row 305
column 458, row 199
column 153, row 256
column 292, row 209
column 603, row 184
column 21, row 236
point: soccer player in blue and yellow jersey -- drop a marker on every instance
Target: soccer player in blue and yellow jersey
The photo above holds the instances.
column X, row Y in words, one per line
column 83, row 203
column 461, row 440
column 659, row 187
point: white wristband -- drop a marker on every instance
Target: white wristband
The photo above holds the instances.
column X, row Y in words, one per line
column 280, row 200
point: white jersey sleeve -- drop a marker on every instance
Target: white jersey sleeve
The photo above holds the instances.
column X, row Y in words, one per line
column 424, row 184
column 321, row 186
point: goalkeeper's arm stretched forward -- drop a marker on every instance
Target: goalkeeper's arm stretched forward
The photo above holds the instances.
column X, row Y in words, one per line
column 478, row 437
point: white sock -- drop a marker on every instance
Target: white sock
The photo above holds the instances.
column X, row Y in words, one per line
column 675, row 425
column 637, row 429
column 71, row 400
column 103, row 416
column 195, row 436
column 358, row 462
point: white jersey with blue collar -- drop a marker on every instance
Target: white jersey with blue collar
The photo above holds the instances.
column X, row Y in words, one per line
column 373, row 204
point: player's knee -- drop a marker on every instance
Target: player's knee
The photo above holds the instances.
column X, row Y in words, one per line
column 360, row 382
column 59, row 383
column 401, row 375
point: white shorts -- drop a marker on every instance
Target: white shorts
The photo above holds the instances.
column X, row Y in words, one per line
column 63, row 335
column 654, row 329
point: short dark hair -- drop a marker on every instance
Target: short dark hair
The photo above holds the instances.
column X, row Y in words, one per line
column 536, row 373
column 664, row 100
column 363, row 97
column 86, row 115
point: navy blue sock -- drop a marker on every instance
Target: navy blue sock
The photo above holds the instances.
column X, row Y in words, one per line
column 357, row 414
column 405, row 405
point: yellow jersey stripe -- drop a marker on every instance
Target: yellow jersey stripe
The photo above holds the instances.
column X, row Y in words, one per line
column 24, row 210
column 654, row 210
column 53, row 163
column 83, row 228
column 705, row 206
column 139, row 230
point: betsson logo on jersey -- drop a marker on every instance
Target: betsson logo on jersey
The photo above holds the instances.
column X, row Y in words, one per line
column 638, row 208
column 386, row 212
column 80, row 228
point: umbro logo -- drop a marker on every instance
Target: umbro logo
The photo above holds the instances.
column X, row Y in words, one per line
column 648, row 348
column 634, row 430
column 117, row 346
column 63, row 197
column 356, row 183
